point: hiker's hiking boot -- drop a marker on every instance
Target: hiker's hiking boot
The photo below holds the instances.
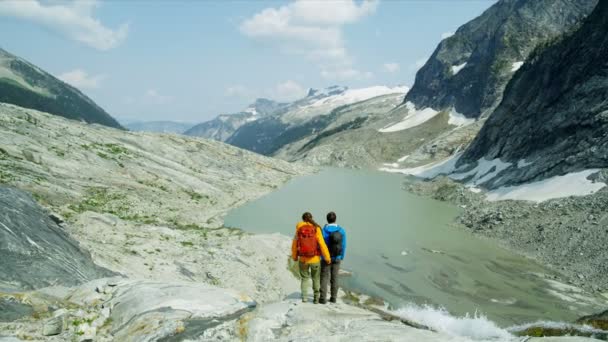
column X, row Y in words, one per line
column 315, row 301
column 332, row 300
column 304, row 300
column 322, row 301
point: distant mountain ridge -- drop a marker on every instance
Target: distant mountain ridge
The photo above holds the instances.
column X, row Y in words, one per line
column 469, row 70
column 302, row 118
column 224, row 125
column 24, row 84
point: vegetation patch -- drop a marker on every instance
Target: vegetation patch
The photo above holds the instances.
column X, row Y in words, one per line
column 115, row 149
column 3, row 154
column 153, row 184
column 195, row 196
column 541, row 331
column 109, row 151
column 102, row 200
column 145, row 219
column 374, row 301
column 38, row 197
column 6, row 177
column 59, row 152
column 351, row 297
column 176, row 224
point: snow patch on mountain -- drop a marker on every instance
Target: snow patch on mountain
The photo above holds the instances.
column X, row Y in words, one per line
column 329, row 91
column 251, row 110
column 402, row 159
column 516, row 65
column 322, row 102
column 412, row 119
column 356, row 95
column 456, row 68
column 571, row 184
column 523, row 163
column 457, row 119
column 430, row 170
column 483, row 172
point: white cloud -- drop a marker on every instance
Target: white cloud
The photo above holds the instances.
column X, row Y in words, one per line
column 237, row 91
column 154, row 97
column 446, row 35
column 312, row 29
column 288, row 91
column 283, row 91
column 81, row 79
column 332, row 12
column 72, row 19
column 391, row 67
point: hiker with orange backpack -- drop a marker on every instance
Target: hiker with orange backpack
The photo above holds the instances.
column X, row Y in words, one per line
column 308, row 245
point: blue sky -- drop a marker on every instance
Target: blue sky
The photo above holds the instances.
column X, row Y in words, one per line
column 192, row 60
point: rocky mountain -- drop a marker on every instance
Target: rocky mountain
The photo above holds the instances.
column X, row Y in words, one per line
column 302, row 118
column 26, row 85
column 464, row 78
column 469, row 70
column 158, row 126
column 348, row 136
column 553, row 119
column 223, row 126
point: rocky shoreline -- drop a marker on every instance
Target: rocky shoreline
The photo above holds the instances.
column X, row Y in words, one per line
column 567, row 234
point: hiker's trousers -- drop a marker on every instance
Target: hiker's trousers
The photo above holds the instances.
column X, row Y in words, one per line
column 308, row 271
column 329, row 273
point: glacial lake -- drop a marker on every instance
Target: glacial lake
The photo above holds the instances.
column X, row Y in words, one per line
column 408, row 249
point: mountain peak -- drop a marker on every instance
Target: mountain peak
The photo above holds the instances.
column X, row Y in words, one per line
column 26, row 85
column 329, row 91
column 263, row 106
column 469, row 70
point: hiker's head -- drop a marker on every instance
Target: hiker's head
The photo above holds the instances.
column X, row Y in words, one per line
column 331, row 217
column 307, row 217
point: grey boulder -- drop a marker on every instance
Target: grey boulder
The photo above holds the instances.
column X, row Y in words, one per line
column 35, row 251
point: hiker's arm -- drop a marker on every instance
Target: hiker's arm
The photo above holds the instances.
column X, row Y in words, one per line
column 294, row 248
column 324, row 250
column 343, row 244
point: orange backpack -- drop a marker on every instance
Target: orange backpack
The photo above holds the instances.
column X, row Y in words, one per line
column 307, row 241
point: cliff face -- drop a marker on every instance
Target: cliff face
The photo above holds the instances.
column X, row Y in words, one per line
column 469, row 70
column 554, row 116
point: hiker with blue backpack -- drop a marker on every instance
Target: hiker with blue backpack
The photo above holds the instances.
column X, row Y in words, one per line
column 335, row 240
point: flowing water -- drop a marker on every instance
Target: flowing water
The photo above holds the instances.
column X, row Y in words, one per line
column 407, row 250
